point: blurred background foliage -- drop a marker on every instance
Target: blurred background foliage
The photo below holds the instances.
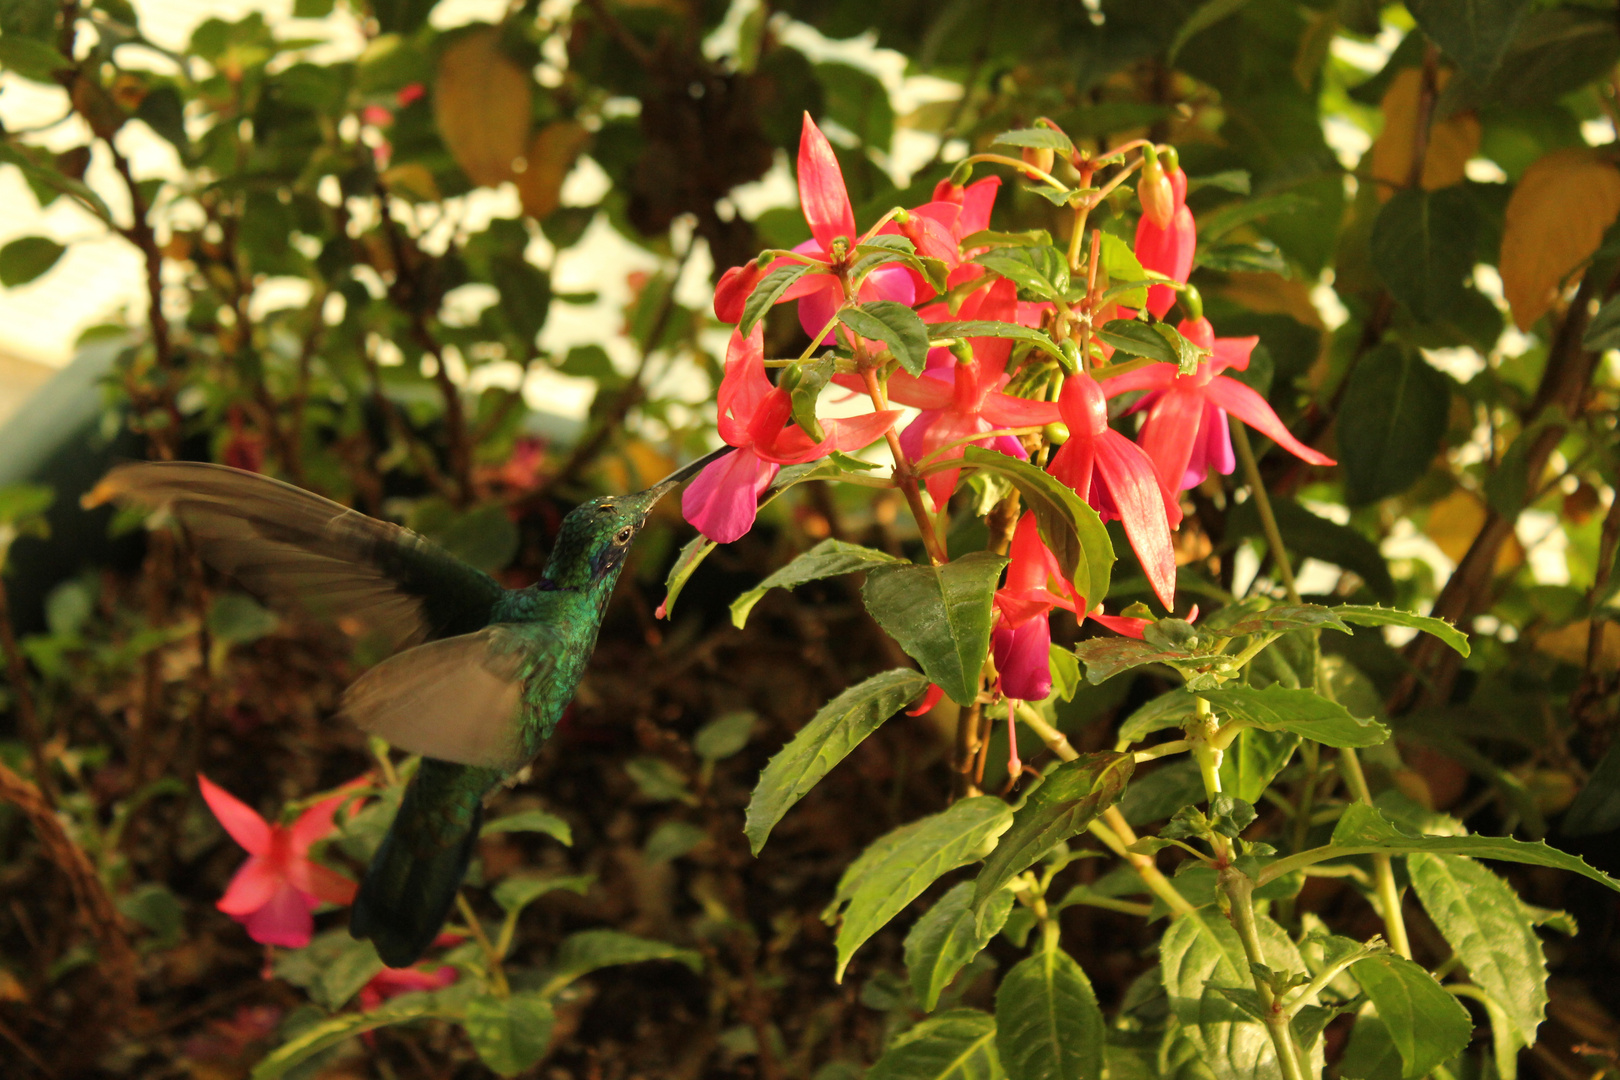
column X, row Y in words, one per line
column 352, row 236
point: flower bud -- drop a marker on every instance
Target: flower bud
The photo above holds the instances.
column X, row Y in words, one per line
column 1040, row 157
column 1158, row 199
column 736, row 285
column 1056, row 433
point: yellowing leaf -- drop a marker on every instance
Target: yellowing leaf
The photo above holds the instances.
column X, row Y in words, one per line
column 1455, row 520
column 1554, row 222
column 550, row 156
column 481, row 103
column 1452, row 141
column 1568, row 643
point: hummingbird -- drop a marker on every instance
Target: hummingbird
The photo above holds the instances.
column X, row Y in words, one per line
column 479, row 676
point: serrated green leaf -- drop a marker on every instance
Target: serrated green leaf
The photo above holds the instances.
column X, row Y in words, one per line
column 1371, row 1053
column 1106, row 657
column 1169, row 710
column 1136, row 338
column 955, row 1045
column 1253, row 761
column 1041, row 273
column 769, row 290
column 1067, row 800
column 948, row 937
column 510, row 1034
column 1069, row 527
column 827, row 559
column 1481, row 918
column 590, row 950
column 1039, row 138
column 1369, row 615
column 1121, row 265
column 836, row 729
column 1427, row 1025
column 973, row 328
column 894, row 324
column 1048, row 1025
column 1303, row 712
column 896, row 868
column 940, row 615
column 1236, row 621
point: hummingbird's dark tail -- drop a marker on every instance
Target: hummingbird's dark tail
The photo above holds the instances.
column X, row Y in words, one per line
column 412, row 880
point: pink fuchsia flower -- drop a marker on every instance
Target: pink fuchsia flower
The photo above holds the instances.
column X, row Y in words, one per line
column 963, row 400
column 1021, row 640
column 1186, row 432
column 937, row 228
column 277, row 889
column 1118, row 479
column 1168, row 249
column 392, row 982
column 756, row 417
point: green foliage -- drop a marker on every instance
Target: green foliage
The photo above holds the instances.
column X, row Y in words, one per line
column 1048, row 1024
column 940, row 615
column 955, row 1045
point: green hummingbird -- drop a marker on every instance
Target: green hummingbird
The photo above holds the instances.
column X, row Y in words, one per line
column 483, row 673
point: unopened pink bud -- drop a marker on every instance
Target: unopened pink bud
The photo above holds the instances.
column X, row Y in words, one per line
column 1154, row 190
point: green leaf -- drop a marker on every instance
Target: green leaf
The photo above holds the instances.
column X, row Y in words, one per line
column 940, row 615
column 658, row 780
column 328, row 1033
column 836, row 729
column 1160, row 793
column 1168, row 710
column 1217, row 223
column 725, row 735
column 858, row 101
column 1392, row 418
column 827, row 559
column 1048, row 1025
column 511, row 1034
column 1423, row 247
column 1371, row 1054
column 1427, row 1025
column 1069, row 527
column 769, row 291
column 991, row 238
column 531, row 821
column 32, row 59
column 331, row 968
column 1303, row 712
column 1597, row 808
column 1603, row 332
column 1483, row 921
column 516, row 893
column 1136, row 338
column 1041, row 273
column 1203, row 17
column 1201, row 953
column 974, row 328
column 896, row 868
column 1106, row 657
column 1309, row 535
column 1253, row 761
column 239, row 619
column 589, row 950
column 1066, row 801
column 1039, row 138
column 948, row 937
column 1367, row 615
column 894, row 324
column 1242, row 619
column 955, row 1045
column 672, row 839
column 1119, row 262
column 1364, row 830
column 1474, row 33
column 27, row 257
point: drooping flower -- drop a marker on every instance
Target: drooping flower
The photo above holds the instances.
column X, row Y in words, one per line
column 1118, row 479
column 964, row 399
column 1186, row 432
column 756, row 417
column 1021, row 641
column 938, row 227
column 274, row 893
column 1168, row 248
column 392, row 982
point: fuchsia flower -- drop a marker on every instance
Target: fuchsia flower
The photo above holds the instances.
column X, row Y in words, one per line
column 1118, row 479
column 937, row 228
column 1169, row 249
column 756, row 417
column 963, row 399
column 1021, row 641
column 275, row 891
column 1186, row 433
column 392, row 982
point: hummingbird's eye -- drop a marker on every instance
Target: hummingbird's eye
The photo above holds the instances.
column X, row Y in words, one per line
column 624, row 535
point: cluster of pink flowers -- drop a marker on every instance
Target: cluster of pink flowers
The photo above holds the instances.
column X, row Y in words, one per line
column 961, row 396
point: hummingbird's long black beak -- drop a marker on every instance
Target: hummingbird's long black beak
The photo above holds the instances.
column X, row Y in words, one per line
column 684, row 473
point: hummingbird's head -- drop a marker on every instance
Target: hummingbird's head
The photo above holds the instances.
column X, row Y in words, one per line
column 597, row 535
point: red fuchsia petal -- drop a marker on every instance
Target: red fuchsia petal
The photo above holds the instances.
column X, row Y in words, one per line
column 854, row 432
column 240, row 820
column 1170, row 252
column 722, row 499
column 252, row 887
column 978, row 199
column 889, row 282
column 1213, row 450
column 928, row 700
column 1003, row 410
column 733, row 291
column 1151, row 377
column 1000, row 304
column 1198, row 331
column 1073, row 465
column 320, row 882
column 947, row 428
column 1171, row 430
column 1121, row 624
column 1024, row 659
column 1249, row 407
column 392, row 982
column 822, row 194
column 284, row 921
column 931, row 230
column 1137, row 494
column 315, row 823
column 816, row 309
column 1030, row 563
column 745, row 385
column 911, row 436
column 1233, row 353
column 907, row 389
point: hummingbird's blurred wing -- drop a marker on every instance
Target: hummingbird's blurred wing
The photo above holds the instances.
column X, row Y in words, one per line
column 457, row 699
column 289, row 545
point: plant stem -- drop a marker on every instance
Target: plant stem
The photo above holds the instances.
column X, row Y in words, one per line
column 492, row 959
column 905, row 476
column 1262, row 503
column 1239, row 890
